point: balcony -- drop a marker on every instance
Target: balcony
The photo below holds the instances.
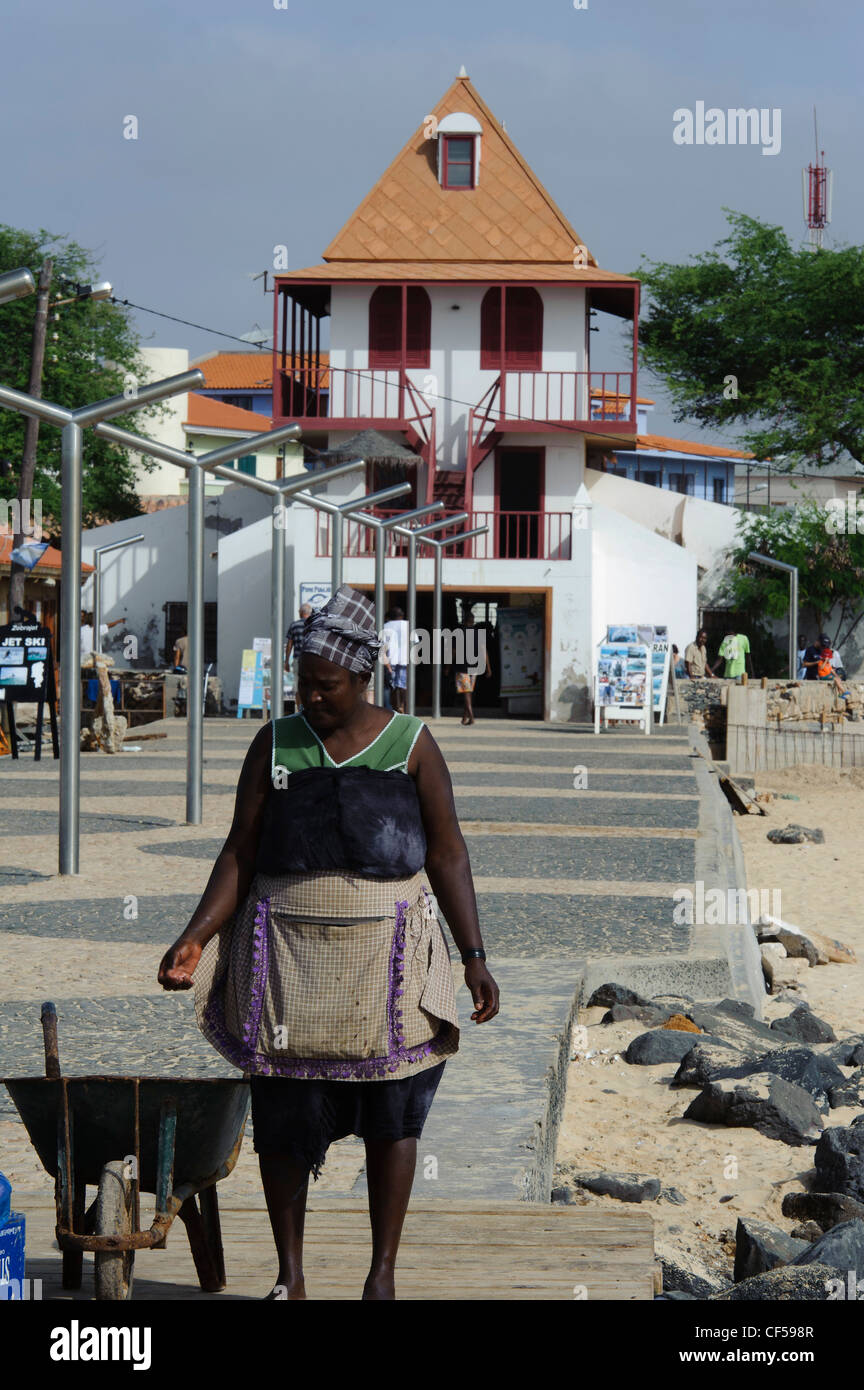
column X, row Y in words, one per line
column 355, row 398
column 528, row 401
column 511, row 536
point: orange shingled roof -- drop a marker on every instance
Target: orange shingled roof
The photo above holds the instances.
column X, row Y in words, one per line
column 48, row 563
column 688, row 446
column 203, row 411
column 490, row 271
column 508, row 218
column 237, row 371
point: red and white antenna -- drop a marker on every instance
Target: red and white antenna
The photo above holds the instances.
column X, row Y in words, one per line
column 817, row 187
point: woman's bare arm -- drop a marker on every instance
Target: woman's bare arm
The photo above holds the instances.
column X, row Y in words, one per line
column 449, row 869
column 233, row 871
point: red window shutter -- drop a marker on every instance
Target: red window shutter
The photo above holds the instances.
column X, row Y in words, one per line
column 490, row 331
column 385, row 327
column 524, row 330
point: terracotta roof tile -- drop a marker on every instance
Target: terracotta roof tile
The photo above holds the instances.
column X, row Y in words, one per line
column 490, row 270
column 403, row 216
column 49, row 562
column 236, row 371
column 203, row 411
column 688, row 446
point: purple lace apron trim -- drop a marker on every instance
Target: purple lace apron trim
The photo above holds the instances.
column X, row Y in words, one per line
column 245, row 1054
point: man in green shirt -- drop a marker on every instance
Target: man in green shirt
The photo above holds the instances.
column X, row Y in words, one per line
column 734, row 649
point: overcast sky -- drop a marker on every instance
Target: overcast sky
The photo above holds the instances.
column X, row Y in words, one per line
column 260, row 126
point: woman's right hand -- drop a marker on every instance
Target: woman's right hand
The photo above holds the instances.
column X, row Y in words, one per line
column 178, row 963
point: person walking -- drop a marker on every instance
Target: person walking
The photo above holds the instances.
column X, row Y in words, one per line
column 466, row 674
column 318, row 962
column 395, row 632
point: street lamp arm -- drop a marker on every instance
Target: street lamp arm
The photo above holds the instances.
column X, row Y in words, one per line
column 14, row 284
column 144, row 395
column 32, row 405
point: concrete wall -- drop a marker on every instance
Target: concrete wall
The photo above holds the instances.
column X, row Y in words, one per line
column 164, row 480
column 706, row 529
column 639, row 577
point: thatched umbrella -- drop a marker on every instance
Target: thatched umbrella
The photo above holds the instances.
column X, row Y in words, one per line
column 390, row 457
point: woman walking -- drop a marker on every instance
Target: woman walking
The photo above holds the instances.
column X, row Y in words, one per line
column 466, row 674
column 319, row 964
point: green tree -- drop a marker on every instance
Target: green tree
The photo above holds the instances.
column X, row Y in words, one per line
column 91, row 348
column 759, row 334
column 830, row 569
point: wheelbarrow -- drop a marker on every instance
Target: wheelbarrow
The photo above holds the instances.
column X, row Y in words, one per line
column 124, row 1135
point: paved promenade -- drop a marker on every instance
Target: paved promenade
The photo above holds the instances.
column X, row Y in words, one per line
column 569, row 880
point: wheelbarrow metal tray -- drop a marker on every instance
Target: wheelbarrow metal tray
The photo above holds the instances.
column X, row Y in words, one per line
column 211, row 1114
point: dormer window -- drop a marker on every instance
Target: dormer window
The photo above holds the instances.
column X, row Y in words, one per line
column 457, row 161
column 459, row 139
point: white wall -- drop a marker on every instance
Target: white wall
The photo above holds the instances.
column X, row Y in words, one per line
column 453, row 382
column 164, row 480
column 640, row 578
column 706, row 529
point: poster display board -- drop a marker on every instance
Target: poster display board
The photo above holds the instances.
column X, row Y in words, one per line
column 632, row 674
column 27, row 676
column 251, row 694
column 520, row 638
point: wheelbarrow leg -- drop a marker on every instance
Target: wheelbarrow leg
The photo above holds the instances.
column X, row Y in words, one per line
column 213, row 1229
column 73, row 1260
column 209, row 1268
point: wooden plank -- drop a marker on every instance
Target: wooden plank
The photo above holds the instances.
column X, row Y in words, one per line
column 450, row 1251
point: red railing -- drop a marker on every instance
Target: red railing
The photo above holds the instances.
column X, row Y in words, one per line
column 567, row 396
column 354, row 393
column 511, row 536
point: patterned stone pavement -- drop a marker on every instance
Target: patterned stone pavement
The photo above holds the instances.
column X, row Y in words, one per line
column 562, row 875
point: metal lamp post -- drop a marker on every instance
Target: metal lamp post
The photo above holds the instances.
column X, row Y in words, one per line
column 213, row 462
column 379, row 526
column 412, row 534
column 792, row 571
column 438, row 606
column 14, row 284
column 99, row 551
column 73, row 423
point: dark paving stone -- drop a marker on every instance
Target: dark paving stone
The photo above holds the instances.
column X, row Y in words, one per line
column 513, row 856
column 187, row 849
column 564, row 758
column 10, row 876
column 144, row 1035
column 27, row 822
column 581, row 810
column 596, row 781
column 543, row 926
column 120, row 786
column 160, row 919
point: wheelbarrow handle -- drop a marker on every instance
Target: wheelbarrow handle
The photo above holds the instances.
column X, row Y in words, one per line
column 49, row 1033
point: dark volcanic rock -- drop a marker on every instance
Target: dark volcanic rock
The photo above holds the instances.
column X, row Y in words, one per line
column 683, row 1274
column 610, row 994
column 839, row 1161
column 643, row 1012
column 708, row 1060
column 663, row 1045
column 842, row 1247
column 627, row 1187
column 808, row 1230
column 826, row 1208
column 763, row 1102
column 788, row 1284
column 798, row 1065
column 804, row 1026
column 759, row 1246
column 850, row 1091
column 796, row 835
column 849, row 1052
column 738, row 1029
column 562, row 1195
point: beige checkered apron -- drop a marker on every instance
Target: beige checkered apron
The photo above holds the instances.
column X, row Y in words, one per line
column 332, row 976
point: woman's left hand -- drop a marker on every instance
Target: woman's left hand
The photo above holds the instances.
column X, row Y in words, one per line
column 484, row 990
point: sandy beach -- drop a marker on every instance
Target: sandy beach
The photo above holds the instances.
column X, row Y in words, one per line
column 625, row 1118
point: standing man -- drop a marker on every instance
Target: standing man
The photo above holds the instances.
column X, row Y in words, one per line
column 181, row 653
column 696, row 657
column 294, row 640
column 87, row 633
column 734, row 649
column 395, row 634
column 813, row 656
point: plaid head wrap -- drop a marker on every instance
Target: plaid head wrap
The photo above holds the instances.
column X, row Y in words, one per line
column 344, row 631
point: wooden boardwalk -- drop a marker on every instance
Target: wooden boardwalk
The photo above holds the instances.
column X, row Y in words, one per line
column 452, row 1251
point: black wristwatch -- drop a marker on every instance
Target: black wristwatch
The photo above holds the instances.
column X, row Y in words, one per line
column 472, row 955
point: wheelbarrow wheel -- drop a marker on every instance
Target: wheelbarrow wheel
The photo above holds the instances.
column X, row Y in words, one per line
column 114, row 1218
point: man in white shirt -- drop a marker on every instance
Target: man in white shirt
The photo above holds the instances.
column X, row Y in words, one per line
column 87, row 633
column 395, row 634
